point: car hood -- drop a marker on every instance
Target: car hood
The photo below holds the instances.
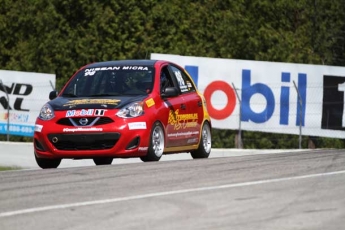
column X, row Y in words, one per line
column 65, row 103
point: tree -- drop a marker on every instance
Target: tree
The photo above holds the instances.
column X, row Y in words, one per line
column 60, row 36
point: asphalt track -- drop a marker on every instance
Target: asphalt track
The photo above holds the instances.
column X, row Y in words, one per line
column 290, row 190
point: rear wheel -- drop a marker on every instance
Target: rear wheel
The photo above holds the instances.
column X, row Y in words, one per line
column 103, row 160
column 157, row 143
column 46, row 163
column 204, row 148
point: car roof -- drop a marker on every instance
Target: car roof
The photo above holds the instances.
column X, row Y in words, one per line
column 143, row 62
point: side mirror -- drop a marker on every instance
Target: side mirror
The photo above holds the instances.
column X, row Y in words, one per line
column 53, row 95
column 170, row 92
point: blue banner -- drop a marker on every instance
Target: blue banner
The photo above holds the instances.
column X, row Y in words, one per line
column 16, row 129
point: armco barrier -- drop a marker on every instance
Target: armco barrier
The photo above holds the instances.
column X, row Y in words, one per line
column 21, row 155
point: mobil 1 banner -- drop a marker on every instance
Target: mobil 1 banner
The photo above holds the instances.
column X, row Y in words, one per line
column 22, row 94
column 333, row 109
column 271, row 97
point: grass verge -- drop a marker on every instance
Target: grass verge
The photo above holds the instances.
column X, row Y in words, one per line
column 5, row 168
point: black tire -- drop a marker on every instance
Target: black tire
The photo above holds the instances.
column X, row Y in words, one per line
column 204, row 148
column 157, row 143
column 46, row 163
column 103, row 160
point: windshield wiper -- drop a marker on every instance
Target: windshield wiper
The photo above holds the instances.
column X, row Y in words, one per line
column 69, row 95
column 134, row 94
column 104, row 94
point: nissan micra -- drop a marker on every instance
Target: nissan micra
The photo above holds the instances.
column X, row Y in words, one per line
column 123, row 109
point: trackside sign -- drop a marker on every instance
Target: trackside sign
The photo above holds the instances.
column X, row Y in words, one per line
column 26, row 94
column 268, row 95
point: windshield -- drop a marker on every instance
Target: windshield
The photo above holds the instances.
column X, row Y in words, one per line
column 111, row 81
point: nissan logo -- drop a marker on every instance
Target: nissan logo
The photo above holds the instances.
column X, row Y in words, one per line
column 83, row 121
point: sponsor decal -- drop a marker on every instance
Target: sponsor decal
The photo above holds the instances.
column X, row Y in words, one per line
column 100, row 112
column 92, row 71
column 137, row 125
column 85, row 112
column 15, row 117
column 81, row 129
column 150, row 102
column 143, row 149
column 38, row 128
column 92, row 101
column 186, row 134
column 134, row 68
column 192, row 140
column 183, row 87
column 77, row 113
column 182, row 121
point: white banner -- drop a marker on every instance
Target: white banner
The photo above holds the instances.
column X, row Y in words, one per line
column 268, row 94
column 26, row 93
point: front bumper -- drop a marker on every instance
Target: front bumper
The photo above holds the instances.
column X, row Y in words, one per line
column 115, row 140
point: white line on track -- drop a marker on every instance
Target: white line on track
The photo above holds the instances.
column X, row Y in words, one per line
column 149, row 195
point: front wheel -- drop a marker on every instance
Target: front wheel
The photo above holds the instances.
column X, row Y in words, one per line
column 46, row 163
column 204, row 148
column 156, row 146
column 103, row 160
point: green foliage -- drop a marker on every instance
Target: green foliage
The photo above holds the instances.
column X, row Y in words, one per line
column 223, row 138
column 15, row 138
column 6, row 168
column 331, row 143
column 60, row 36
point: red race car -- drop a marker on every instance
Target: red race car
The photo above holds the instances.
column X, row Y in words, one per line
column 122, row 109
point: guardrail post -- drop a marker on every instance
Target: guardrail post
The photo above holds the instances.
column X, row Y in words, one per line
column 238, row 141
column 8, row 111
column 300, row 115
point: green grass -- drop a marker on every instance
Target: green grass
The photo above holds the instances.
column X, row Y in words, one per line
column 5, row 168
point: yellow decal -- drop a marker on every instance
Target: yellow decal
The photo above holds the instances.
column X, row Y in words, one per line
column 4, row 116
column 182, row 121
column 150, row 102
column 92, row 101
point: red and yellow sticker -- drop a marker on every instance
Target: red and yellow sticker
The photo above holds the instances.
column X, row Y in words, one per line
column 150, row 102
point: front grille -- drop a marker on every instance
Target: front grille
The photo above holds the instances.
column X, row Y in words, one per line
column 84, row 141
column 91, row 121
column 104, row 121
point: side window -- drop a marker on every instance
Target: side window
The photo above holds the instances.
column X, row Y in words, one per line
column 184, row 82
column 165, row 79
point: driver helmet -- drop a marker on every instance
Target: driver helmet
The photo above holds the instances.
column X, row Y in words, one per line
column 164, row 81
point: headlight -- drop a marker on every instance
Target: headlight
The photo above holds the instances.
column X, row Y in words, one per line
column 135, row 109
column 46, row 113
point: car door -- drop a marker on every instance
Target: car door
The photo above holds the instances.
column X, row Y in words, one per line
column 176, row 109
column 191, row 120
